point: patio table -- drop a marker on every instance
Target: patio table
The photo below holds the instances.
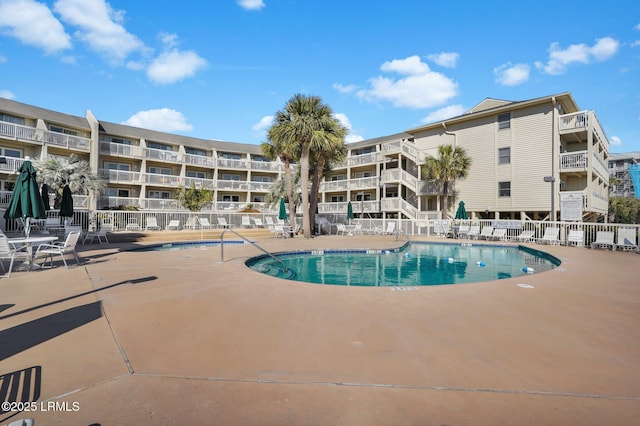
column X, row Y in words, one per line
column 28, row 242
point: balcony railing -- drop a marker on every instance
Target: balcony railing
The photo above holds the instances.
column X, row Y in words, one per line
column 364, row 159
column 574, row 160
column 160, row 155
column 260, row 186
column 334, row 185
column 399, row 175
column 10, row 164
column 198, row 183
column 576, row 120
column 228, row 163
column 268, row 166
column 159, row 179
column 232, row 185
column 121, row 150
column 31, row 134
column 120, row 176
column 428, row 187
column 199, row 160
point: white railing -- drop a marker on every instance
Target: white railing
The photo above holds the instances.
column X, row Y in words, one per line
column 228, row 163
column 267, row 166
column 160, row 155
column 10, row 164
column 332, row 208
column 159, row 179
column 121, row 150
column 31, row 134
column 428, row 187
column 576, row 120
column 334, row 185
column 600, row 167
column 234, row 185
column 19, row 132
column 199, row 160
column 120, row 176
column 260, row 186
column 366, row 159
column 400, row 175
column 198, row 183
column 67, row 141
column 574, row 160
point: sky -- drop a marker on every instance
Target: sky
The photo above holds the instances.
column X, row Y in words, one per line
column 222, row 69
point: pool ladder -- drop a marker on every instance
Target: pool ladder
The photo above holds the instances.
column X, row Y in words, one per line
column 401, row 231
column 284, row 268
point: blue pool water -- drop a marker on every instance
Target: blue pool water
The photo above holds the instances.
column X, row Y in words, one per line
column 415, row 264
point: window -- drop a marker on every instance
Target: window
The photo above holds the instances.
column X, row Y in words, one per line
column 363, row 151
column 360, row 175
column 231, row 198
column 228, row 176
column 338, row 177
column 504, row 121
column 120, row 141
column 58, row 129
column 194, row 151
column 196, row 174
column 11, row 119
column 117, row 166
column 159, row 170
column 163, row 195
column 504, row 155
column 10, row 152
column 504, row 189
column 337, row 198
column 257, row 199
column 258, row 178
column 367, row 197
column 231, row 156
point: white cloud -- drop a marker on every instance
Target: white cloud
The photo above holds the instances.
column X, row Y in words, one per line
column 251, row 4
column 263, row 124
column 637, row 27
column 174, row 66
column 344, row 120
column 420, row 88
column 559, row 59
column 163, row 120
column 635, row 43
column 100, row 27
column 33, row 24
column 345, row 89
column 445, row 59
column 511, row 75
column 3, row 59
column 7, row 94
column 615, row 141
column 444, row 113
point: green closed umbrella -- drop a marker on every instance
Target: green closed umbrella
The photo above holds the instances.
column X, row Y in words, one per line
column 26, row 199
column 349, row 211
column 461, row 213
column 66, row 204
column 282, row 214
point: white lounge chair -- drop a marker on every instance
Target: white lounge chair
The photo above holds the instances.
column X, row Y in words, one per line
column 173, row 225
column 550, row 236
column 604, row 239
column 192, row 223
column 132, row 224
column 487, row 232
column 204, row 223
column 269, row 220
column 100, row 234
column 9, row 252
column 390, row 229
column 342, row 229
column 441, row 228
column 322, row 224
column 575, row 238
column 258, row 222
column 463, row 231
column 64, row 248
column 499, row 234
column 626, row 239
column 474, row 231
column 246, row 222
column 278, row 231
column 222, row 223
column 152, row 223
column 525, row 236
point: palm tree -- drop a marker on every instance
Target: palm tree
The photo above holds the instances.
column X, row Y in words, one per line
column 57, row 172
column 309, row 123
column 452, row 164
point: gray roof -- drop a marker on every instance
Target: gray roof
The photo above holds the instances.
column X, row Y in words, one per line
column 29, row 111
column 378, row 140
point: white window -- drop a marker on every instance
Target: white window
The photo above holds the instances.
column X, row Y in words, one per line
column 156, row 145
column 231, row 198
column 504, row 189
column 504, row 121
column 163, row 195
column 229, row 176
column 159, row 170
column 194, row 151
column 257, row 199
column 58, row 129
column 121, row 141
column 337, row 198
column 360, row 175
column 504, row 155
column 196, row 174
column 109, row 165
column 11, row 152
column 338, row 177
column 258, row 178
column 11, row 119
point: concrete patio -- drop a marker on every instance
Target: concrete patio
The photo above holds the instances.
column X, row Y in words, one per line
column 177, row 337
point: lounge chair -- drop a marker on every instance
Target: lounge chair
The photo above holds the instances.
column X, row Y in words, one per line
column 626, row 239
column 8, row 252
column 474, row 231
column 63, row 248
column 499, row 234
column 441, row 228
column 222, row 223
column 463, row 231
column 173, row 225
column 575, row 238
column 269, row 220
column 278, row 231
column 246, row 222
column 100, row 234
column 132, row 224
column 550, row 236
column 604, row 239
column 525, row 236
column 204, row 223
column 192, row 223
column 342, row 229
column 487, row 232
column 390, row 229
column 322, row 224
column 152, row 224
column 258, row 222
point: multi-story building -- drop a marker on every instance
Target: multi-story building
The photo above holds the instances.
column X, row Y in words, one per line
column 619, row 168
column 527, row 158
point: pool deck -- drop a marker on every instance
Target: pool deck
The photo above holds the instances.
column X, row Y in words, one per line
column 178, row 337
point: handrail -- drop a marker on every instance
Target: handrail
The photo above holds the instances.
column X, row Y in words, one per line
column 284, row 267
column 402, row 231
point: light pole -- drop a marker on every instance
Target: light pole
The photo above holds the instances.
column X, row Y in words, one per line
column 551, row 179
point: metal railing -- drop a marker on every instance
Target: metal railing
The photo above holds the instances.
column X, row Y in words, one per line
column 284, row 267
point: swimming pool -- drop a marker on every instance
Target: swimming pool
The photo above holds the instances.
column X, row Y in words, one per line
column 414, row 264
column 183, row 245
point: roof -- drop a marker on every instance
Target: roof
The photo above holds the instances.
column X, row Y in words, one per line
column 49, row 116
column 491, row 106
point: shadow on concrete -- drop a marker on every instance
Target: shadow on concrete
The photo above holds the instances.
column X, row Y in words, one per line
column 5, row 307
column 24, row 336
column 75, row 296
column 20, row 386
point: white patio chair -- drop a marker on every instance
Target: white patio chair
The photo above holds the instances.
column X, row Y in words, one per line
column 278, row 231
column 604, row 239
column 132, row 224
column 550, row 236
column 173, row 225
column 269, row 220
column 463, row 231
column 246, row 221
column 204, row 223
column 441, row 228
column 152, row 224
column 192, row 223
column 626, row 239
column 474, row 232
column 258, row 222
column 499, row 234
column 486, row 233
column 62, row 249
column 575, row 238
column 100, row 234
column 9, row 252
column 342, row 229
column 222, row 223
column 390, row 229
column 525, row 236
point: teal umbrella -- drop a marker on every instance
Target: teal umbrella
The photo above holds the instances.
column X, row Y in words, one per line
column 26, row 199
column 349, row 211
column 66, row 205
column 461, row 213
column 282, row 214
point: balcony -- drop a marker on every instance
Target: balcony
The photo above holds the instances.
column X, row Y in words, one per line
column 160, row 155
column 228, row 163
column 581, row 122
column 334, row 185
column 364, row 159
column 120, row 176
column 267, row 166
column 30, row 134
column 10, row 165
column 161, row 180
column 428, row 187
column 121, row 150
column 400, row 176
column 198, row 183
column 574, row 161
column 199, row 160
column 260, row 186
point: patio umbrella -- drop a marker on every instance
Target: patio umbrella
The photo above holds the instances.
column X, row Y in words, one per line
column 461, row 213
column 349, row 211
column 66, row 204
column 45, row 196
column 282, row 214
column 26, row 200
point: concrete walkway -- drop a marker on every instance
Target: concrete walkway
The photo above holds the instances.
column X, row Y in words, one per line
column 179, row 338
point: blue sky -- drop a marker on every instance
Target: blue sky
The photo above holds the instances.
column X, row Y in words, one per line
column 221, row 69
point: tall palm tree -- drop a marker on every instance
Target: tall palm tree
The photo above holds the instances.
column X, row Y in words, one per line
column 309, row 123
column 451, row 164
column 57, row 172
column 288, row 151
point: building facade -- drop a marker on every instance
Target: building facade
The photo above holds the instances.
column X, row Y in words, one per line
column 527, row 157
column 620, row 169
